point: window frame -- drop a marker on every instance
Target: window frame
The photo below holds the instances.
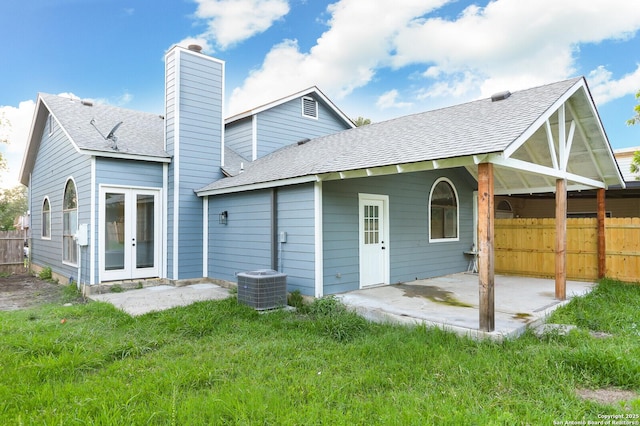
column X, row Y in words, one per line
column 45, row 231
column 457, row 211
column 315, row 103
column 69, row 234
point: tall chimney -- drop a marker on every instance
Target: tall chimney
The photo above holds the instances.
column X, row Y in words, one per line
column 194, row 137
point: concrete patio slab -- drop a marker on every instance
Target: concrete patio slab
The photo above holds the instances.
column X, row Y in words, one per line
column 451, row 302
column 161, row 297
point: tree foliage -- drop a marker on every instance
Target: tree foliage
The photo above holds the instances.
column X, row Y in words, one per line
column 5, row 128
column 361, row 121
column 636, row 118
column 635, row 162
column 13, row 203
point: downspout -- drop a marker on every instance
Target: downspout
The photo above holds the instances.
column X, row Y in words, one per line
column 274, row 229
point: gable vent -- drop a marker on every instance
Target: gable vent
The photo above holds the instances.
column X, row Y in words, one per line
column 500, row 96
column 309, row 107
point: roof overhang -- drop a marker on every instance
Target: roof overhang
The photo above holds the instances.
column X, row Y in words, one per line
column 38, row 122
column 261, row 185
column 566, row 142
column 125, row 156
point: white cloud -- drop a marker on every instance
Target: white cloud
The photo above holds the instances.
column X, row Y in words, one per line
column 506, row 45
column 604, row 88
column 17, row 133
column 514, row 44
column 232, row 21
column 359, row 41
column 390, row 100
column 456, row 86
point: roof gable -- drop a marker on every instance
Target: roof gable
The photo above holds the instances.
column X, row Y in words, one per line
column 311, row 91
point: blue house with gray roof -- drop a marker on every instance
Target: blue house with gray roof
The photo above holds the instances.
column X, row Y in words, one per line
column 292, row 185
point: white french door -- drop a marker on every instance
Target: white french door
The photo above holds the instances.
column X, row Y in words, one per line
column 130, row 225
column 374, row 239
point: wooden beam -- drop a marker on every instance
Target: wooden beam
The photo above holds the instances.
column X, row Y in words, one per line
column 602, row 257
column 552, row 146
column 562, row 138
column 572, row 132
column 585, row 142
column 527, row 167
column 561, row 239
column 485, row 247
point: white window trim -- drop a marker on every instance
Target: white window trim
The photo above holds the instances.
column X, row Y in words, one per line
column 42, row 236
column 66, row 182
column 455, row 194
column 302, row 107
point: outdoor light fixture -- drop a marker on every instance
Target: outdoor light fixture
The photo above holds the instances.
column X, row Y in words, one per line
column 222, row 217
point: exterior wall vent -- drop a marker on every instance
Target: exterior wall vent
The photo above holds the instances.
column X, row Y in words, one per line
column 309, row 107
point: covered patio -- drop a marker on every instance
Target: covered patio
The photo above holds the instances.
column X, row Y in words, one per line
column 451, row 302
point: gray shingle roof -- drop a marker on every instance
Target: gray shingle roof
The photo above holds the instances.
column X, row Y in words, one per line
column 473, row 128
column 141, row 133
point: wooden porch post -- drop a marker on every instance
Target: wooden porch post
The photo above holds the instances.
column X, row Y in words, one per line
column 485, row 246
column 602, row 256
column 561, row 239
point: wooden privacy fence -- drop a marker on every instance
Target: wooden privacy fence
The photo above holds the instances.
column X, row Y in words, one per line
column 12, row 252
column 526, row 247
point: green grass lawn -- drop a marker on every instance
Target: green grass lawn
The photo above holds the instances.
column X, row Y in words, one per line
column 222, row 363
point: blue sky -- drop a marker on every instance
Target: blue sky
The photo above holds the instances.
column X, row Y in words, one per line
column 378, row 59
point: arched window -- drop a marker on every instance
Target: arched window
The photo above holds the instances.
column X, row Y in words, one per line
column 46, row 219
column 70, row 223
column 443, row 211
column 504, row 210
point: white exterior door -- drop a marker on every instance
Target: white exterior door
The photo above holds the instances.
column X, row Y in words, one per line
column 129, row 240
column 374, row 239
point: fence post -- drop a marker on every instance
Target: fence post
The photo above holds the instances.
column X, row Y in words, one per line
column 602, row 256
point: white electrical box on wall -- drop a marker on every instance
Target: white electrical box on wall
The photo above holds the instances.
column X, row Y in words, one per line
column 283, row 237
column 82, row 236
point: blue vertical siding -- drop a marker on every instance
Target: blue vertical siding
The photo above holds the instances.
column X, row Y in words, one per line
column 411, row 255
column 244, row 243
column 56, row 161
column 296, row 218
column 169, row 120
column 284, row 124
column 129, row 173
column 239, row 137
column 195, row 91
